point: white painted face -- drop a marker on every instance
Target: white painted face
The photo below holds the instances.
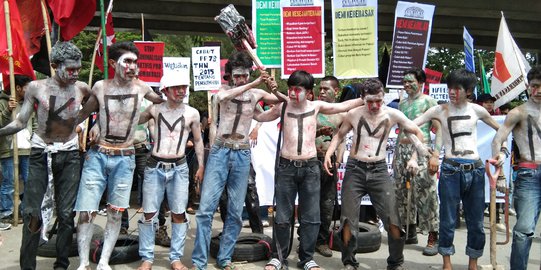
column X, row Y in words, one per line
column 176, row 93
column 297, row 93
column 535, row 90
column 126, row 66
column 240, row 76
column 68, row 71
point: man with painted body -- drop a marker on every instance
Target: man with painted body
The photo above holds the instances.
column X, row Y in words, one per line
column 228, row 163
column 298, row 169
column 424, row 195
column 111, row 162
column 327, row 126
column 524, row 121
column 54, row 153
column 366, row 171
column 167, row 170
column 462, row 174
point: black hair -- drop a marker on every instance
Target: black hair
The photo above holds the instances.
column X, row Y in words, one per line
column 334, row 81
column 419, row 74
column 65, row 50
column 20, row 80
column 119, row 48
column 372, row 86
column 534, row 73
column 237, row 59
column 462, row 78
column 351, row 91
column 301, row 78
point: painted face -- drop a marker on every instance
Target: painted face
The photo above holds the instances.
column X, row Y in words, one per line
column 374, row 102
column 297, row 93
column 68, row 71
column 176, row 93
column 457, row 95
column 240, row 76
column 535, row 90
column 126, row 66
column 326, row 92
column 411, row 85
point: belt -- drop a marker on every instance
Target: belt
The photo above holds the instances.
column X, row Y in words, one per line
column 528, row 165
column 140, row 148
column 165, row 163
column 114, row 151
column 465, row 166
column 234, row 146
column 367, row 164
column 300, row 162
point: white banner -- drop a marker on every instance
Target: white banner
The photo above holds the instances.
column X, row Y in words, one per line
column 180, row 67
column 206, row 68
column 439, row 92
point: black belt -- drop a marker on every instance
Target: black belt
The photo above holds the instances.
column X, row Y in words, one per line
column 114, row 151
column 464, row 166
column 364, row 164
column 300, row 162
column 234, row 146
column 165, row 163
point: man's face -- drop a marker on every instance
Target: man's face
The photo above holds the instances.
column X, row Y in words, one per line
column 457, row 95
column 489, row 105
column 176, row 93
column 240, row 76
column 126, row 66
column 411, row 85
column 297, row 93
column 535, row 90
column 68, row 71
column 327, row 92
column 374, row 102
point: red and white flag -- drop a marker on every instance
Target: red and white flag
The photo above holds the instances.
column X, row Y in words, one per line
column 110, row 32
column 510, row 68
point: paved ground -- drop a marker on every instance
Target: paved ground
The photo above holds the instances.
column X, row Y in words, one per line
column 9, row 252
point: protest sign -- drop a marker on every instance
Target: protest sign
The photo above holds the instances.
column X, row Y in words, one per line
column 206, row 68
column 355, row 28
column 180, row 67
column 432, row 76
column 302, row 37
column 413, row 23
column 266, row 28
column 439, row 92
column 150, row 61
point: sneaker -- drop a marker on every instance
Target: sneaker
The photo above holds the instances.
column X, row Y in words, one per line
column 265, row 223
column 4, row 226
column 431, row 248
column 162, row 238
column 500, row 227
column 512, row 212
column 102, row 212
column 123, row 230
column 324, row 250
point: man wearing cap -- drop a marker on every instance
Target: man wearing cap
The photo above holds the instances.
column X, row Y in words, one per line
column 166, row 169
column 487, row 101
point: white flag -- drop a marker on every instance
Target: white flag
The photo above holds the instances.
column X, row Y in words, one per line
column 510, row 68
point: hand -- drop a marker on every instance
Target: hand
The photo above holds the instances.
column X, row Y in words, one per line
column 501, row 184
column 433, row 165
column 412, row 166
column 253, row 137
column 12, row 104
column 500, row 159
column 327, row 164
column 199, row 174
column 94, row 134
column 263, row 78
column 272, row 85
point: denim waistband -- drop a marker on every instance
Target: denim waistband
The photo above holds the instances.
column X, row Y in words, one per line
column 468, row 166
column 300, row 162
column 233, row 146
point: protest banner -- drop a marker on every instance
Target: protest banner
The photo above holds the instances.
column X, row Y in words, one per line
column 150, row 61
column 180, row 67
column 266, row 28
column 432, row 76
column 439, row 92
column 303, row 40
column 469, row 61
column 413, row 24
column 206, row 68
column 355, row 28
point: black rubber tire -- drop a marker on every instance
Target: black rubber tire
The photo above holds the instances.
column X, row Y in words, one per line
column 126, row 250
column 249, row 247
column 49, row 249
column 369, row 239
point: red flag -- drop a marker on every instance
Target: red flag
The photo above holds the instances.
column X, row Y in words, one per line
column 432, row 76
column 72, row 15
column 110, row 31
column 20, row 56
column 33, row 26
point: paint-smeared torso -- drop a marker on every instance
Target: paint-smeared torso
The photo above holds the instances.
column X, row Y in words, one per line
column 459, row 130
column 370, row 133
column 527, row 133
column 413, row 108
column 171, row 130
column 299, row 132
column 236, row 117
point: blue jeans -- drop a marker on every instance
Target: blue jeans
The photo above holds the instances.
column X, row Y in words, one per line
column 7, row 189
column 225, row 167
column 527, row 200
column 458, row 184
column 158, row 181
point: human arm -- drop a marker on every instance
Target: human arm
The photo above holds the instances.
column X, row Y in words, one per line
column 213, row 126
column 269, row 115
column 434, row 161
column 145, row 115
column 513, row 118
column 253, row 134
column 90, row 106
column 24, row 114
column 152, row 96
column 332, row 108
column 233, row 92
column 198, row 146
column 339, row 137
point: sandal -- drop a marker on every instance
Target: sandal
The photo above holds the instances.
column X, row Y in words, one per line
column 274, row 263
column 227, row 266
column 311, row 265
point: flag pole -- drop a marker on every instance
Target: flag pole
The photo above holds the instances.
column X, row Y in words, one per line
column 47, row 32
column 142, row 27
column 104, row 38
column 13, row 115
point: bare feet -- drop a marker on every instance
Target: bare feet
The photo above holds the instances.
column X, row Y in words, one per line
column 146, row 265
column 177, row 265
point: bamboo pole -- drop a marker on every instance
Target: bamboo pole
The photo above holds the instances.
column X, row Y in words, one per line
column 104, row 38
column 47, row 32
column 13, row 115
column 142, row 27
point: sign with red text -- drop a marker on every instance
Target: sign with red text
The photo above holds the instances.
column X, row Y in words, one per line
column 206, row 68
column 432, row 76
column 150, row 61
column 412, row 27
column 302, row 37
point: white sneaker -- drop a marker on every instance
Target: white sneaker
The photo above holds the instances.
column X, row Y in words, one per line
column 512, row 212
column 265, row 223
column 500, row 227
column 4, row 226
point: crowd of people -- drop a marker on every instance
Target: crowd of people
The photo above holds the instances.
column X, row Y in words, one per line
column 130, row 114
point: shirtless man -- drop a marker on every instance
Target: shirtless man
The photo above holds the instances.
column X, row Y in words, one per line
column 524, row 121
column 228, row 162
column 55, row 151
column 299, row 169
column 167, row 170
column 462, row 172
column 424, row 194
column 111, row 162
column 366, row 171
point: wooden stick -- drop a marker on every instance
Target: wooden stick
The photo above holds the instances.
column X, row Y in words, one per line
column 47, row 32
